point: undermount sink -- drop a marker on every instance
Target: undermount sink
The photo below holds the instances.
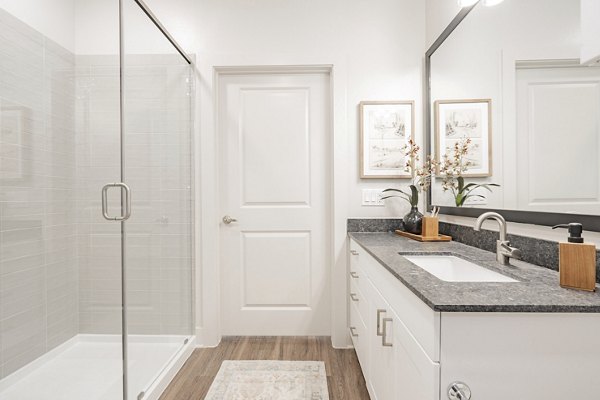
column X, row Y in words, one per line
column 455, row 269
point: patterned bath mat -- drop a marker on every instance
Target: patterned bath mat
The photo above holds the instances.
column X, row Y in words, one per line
column 270, row 380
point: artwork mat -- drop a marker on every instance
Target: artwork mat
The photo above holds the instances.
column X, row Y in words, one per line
column 486, row 139
column 365, row 172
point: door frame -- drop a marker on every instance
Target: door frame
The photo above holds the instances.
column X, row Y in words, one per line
column 210, row 68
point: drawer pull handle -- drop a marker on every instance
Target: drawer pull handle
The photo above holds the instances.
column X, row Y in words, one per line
column 379, row 312
column 354, row 275
column 353, row 296
column 354, row 252
column 352, row 328
column 384, row 341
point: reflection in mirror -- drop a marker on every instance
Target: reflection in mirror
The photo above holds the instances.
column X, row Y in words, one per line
column 515, row 115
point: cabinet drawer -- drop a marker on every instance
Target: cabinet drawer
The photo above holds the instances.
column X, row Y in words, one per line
column 357, row 272
column 420, row 320
column 360, row 300
column 358, row 332
column 357, row 254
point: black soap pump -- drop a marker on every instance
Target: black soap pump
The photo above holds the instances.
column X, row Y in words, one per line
column 575, row 231
column 577, row 260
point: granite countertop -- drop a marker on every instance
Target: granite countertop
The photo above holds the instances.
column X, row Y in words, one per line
column 537, row 290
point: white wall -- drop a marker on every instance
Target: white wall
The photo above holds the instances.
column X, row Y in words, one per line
column 97, row 29
column 439, row 13
column 53, row 18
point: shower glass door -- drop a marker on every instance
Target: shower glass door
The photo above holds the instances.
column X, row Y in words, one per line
column 157, row 168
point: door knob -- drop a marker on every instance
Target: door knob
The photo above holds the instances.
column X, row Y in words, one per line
column 227, row 220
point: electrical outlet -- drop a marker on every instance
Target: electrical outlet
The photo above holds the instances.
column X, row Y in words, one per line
column 372, row 197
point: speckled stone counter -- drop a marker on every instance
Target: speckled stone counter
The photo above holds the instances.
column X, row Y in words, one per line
column 537, row 290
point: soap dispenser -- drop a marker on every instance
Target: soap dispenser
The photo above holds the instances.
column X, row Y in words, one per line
column 577, row 260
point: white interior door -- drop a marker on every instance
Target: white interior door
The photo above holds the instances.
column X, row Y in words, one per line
column 558, row 138
column 274, row 135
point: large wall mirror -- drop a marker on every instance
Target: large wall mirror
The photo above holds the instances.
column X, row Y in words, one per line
column 510, row 104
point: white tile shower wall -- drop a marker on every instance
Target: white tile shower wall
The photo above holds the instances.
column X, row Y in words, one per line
column 157, row 167
column 38, row 269
column 59, row 259
column 98, row 162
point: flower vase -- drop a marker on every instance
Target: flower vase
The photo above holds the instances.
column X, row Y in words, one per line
column 413, row 221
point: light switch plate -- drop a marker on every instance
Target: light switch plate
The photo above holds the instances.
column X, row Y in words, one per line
column 372, row 197
column 475, row 201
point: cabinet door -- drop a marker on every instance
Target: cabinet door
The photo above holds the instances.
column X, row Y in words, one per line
column 416, row 377
column 380, row 380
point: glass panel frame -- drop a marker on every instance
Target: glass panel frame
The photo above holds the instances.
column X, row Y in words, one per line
column 156, row 162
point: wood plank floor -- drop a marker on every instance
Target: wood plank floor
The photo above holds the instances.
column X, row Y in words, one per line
column 344, row 377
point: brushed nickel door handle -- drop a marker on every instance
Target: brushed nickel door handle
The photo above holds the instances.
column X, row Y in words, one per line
column 227, row 220
column 352, row 328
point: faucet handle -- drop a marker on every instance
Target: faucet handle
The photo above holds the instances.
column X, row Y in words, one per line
column 514, row 252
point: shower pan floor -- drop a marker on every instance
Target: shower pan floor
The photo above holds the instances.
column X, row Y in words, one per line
column 89, row 367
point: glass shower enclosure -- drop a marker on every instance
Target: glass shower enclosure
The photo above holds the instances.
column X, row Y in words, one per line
column 96, row 207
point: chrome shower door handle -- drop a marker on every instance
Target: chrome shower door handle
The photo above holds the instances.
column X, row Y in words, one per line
column 127, row 203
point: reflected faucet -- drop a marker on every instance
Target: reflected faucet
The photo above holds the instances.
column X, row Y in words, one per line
column 504, row 252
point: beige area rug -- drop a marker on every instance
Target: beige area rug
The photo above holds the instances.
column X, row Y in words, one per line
column 270, row 380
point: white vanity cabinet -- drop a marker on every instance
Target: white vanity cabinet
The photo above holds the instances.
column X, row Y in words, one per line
column 408, row 351
column 395, row 363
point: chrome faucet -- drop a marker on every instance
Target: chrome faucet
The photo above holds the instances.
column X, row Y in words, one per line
column 504, row 251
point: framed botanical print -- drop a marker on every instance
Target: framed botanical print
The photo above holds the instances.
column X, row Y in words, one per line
column 385, row 128
column 458, row 120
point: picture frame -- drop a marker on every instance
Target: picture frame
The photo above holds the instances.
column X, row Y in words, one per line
column 385, row 128
column 472, row 118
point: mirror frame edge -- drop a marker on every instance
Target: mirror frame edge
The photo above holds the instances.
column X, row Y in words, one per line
column 590, row 222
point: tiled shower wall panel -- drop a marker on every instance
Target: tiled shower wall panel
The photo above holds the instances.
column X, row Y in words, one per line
column 98, row 163
column 157, row 167
column 38, row 269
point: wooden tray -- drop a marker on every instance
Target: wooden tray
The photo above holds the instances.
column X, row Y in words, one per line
column 440, row 238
